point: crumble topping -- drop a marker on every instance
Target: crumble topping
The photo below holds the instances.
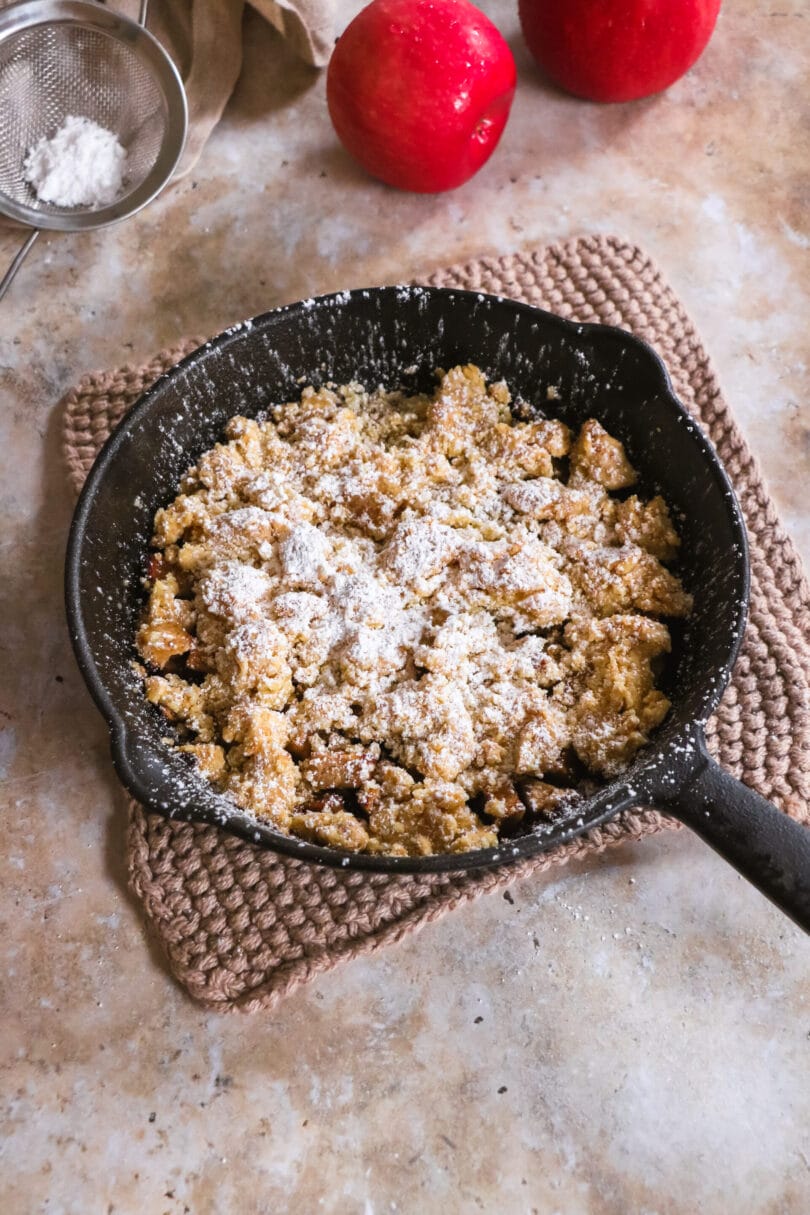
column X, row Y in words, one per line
column 402, row 624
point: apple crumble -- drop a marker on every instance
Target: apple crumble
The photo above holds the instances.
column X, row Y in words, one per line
column 409, row 624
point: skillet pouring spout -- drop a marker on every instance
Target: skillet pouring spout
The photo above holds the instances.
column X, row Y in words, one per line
column 767, row 847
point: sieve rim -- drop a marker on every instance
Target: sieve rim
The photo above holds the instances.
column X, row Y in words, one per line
column 27, row 15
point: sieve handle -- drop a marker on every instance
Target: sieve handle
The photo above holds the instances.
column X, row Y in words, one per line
column 142, row 14
column 22, row 253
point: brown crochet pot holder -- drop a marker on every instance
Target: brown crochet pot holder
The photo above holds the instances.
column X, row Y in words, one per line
column 241, row 926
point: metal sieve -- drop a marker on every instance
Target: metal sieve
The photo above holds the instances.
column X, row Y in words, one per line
column 76, row 57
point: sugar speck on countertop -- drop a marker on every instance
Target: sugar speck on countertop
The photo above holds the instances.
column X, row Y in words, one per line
column 81, row 165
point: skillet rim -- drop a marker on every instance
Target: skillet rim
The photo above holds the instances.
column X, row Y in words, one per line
column 639, row 786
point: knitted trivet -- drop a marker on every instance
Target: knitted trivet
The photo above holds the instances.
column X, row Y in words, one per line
column 242, row 926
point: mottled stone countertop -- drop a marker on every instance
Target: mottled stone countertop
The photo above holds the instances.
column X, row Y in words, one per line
column 630, row 1035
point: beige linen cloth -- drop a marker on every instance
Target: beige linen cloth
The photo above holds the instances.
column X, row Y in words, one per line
column 204, row 37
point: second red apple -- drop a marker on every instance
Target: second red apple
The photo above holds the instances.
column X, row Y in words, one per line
column 617, row 50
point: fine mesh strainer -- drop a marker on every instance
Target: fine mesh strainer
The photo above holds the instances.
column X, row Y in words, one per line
column 76, row 57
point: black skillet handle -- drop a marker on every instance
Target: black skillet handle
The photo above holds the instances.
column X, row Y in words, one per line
column 769, row 849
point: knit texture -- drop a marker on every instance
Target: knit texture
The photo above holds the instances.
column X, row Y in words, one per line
column 241, row 926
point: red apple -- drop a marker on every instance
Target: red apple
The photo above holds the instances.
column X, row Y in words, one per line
column 419, row 91
column 617, row 50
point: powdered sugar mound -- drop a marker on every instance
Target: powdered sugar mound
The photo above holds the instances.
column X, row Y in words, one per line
column 81, row 165
column 235, row 591
column 418, row 550
column 296, row 610
column 304, row 555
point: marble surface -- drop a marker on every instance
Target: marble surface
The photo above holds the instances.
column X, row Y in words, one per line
column 631, row 1035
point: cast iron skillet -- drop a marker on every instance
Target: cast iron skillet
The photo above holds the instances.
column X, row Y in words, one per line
column 396, row 336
